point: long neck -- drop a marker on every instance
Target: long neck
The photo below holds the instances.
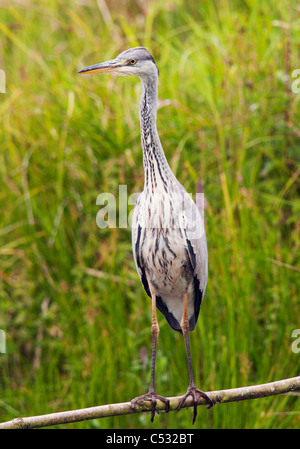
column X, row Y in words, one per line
column 156, row 167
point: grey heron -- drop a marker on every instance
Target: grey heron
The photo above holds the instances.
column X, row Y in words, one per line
column 168, row 235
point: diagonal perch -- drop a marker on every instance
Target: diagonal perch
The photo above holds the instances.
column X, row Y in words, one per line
column 124, row 408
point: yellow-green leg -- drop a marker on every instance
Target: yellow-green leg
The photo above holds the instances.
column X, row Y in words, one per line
column 151, row 395
column 192, row 389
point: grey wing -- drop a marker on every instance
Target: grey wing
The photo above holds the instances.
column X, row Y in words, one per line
column 135, row 236
column 137, row 241
column 195, row 238
column 137, row 231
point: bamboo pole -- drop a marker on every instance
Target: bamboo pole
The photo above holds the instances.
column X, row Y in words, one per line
column 124, row 408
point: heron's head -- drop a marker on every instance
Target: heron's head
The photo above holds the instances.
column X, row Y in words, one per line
column 135, row 61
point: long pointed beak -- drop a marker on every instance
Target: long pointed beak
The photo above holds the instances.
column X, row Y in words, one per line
column 104, row 67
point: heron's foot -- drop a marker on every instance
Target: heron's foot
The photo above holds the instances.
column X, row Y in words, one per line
column 195, row 393
column 151, row 396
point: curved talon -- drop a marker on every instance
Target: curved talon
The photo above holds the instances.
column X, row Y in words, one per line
column 151, row 397
column 193, row 391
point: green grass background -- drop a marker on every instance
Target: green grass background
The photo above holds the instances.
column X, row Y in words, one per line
column 229, row 122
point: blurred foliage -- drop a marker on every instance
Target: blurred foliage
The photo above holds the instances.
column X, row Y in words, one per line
column 76, row 318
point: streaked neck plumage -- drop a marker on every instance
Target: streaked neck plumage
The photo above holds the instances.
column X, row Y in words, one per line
column 157, row 171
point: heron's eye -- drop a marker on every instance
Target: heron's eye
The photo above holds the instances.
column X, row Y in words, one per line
column 132, row 61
